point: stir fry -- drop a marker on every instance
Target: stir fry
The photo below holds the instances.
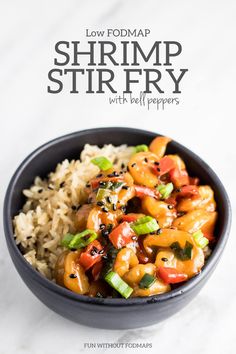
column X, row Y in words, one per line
column 143, row 230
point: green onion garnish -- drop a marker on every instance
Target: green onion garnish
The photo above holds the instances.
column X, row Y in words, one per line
column 117, row 283
column 102, row 193
column 102, row 162
column 79, row 240
column 182, row 253
column 66, row 240
column 141, row 148
column 147, row 281
column 145, row 225
column 200, row 239
column 165, row 190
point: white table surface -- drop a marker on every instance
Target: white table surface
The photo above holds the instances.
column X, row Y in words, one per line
column 204, row 121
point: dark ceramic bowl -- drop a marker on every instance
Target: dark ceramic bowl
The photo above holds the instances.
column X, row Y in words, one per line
column 98, row 312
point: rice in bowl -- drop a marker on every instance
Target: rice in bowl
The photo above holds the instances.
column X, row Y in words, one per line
column 50, row 208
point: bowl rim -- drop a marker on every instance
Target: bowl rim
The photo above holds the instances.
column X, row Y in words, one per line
column 115, row 302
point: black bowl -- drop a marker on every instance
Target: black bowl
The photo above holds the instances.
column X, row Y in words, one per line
column 97, row 312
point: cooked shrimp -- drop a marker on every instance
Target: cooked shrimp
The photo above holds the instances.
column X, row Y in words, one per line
column 159, row 210
column 74, row 277
column 140, row 167
column 158, row 145
column 195, row 220
column 205, row 201
column 125, row 259
column 134, row 276
column 166, row 239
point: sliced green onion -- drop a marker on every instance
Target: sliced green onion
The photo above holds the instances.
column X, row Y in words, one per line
column 66, row 240
column 116, row 185
column 117, row 283
column 145, row 225
column 147, row 281
column 102, row 162
column 200, row 239
column 79, row 240
column 140, row 148
column 165, row 190
column 182, row 253
column 102, row 193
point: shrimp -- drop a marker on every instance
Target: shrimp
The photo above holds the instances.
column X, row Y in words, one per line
column 166, row 239
column 158, row 145
column 204, row 201
column 134, row 276
column 159, row 210
column 125, row 259
column 140, row 167
column 74, row 276
column 195, row 220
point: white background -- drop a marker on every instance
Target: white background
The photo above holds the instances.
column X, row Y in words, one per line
column 204, row 122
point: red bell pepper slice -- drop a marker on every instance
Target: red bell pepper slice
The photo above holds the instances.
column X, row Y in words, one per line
column 179, row 177
column 166, row 164
column 91, row 255
column 188, row 191
column 171, row 275
column 142, row 191
column 121, row 235
column 210, row 237
column 131, row 217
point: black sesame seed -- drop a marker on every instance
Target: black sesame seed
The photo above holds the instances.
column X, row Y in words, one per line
column 40, row 190
column 62, row 184
column 73, row 276
column 178, row 190
column 125, row 187
column 88, row 185
column 145, row 159
column 110, row 175
column 102, row 183
column 114, row 207
column 156, row 163
column 128, row 168
column 109, row 200
column 122, row 165
column 158, row 169
column 73, row 249
column 116, row 174
column 159, row 231
column 133, row 164
column 74, row 207
column 99, row 175
column 153, row 233
column 94, row 251
column 105, row 209
column 109, row 227
column 105, row 233
column 100, row 203
column 102, row 226
column 28, row 237
column 164, row 259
